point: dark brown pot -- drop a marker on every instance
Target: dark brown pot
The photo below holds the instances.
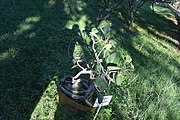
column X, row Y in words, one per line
column 64, row 99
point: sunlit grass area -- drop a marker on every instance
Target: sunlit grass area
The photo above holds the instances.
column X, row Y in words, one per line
column 37, row 42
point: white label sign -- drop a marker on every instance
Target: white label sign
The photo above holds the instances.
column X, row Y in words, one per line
column 105, row 102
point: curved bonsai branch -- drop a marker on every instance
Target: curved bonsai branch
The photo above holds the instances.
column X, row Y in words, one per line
column 79, row 64
column 101, row 51
column 84, row 71
column 93, row 46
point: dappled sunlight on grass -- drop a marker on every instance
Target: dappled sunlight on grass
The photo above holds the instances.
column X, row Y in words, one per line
column 31, row 35
column 46, row 107
column 81, row 23
column 27, row 24
column 73, row 6
column 11, row 53
column 152, row 48
column 157, row 43
column 164, row 11
column 50, row 3
column 163, row 35
column 162, row 26
column 32, row 19
column 40, row 39
column 154, row 94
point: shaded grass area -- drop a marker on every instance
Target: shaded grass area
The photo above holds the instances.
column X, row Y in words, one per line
column 33, row 47
column 37, row 39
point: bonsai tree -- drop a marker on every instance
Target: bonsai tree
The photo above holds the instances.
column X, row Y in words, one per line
column 101, row 71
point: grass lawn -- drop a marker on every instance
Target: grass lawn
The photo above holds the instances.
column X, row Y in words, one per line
column 37, row 39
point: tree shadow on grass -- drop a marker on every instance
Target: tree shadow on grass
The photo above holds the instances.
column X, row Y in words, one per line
column 65, row 113
column 150, row 58
column 34, row 48
column 162, row 26
column 151, row 64
column 147, row 68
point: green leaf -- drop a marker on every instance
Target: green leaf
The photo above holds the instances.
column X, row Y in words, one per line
column 113, row 58
column 130, row 66
column 100, row 97
column 78, row 52
column 94, row 30
column 108, row 46
column 114, row 68
column 101, row 83
column 119, row 79
column 107, row 30
column 105, row 24
column 108, row 111
column 128, row 59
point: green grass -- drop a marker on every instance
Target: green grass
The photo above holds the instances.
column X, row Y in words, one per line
column 37, row 39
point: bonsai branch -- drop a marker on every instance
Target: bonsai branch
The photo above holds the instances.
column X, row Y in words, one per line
column 84, row 71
